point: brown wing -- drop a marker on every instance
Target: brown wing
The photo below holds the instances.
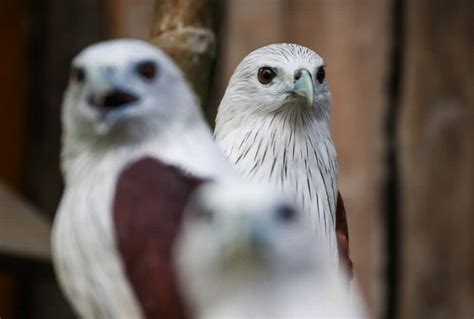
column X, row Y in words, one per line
column 342, row 233
column 148, row 206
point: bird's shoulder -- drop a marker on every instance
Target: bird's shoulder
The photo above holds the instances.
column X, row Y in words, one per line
column 148, row 205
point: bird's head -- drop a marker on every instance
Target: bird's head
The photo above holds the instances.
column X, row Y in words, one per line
column 124, row 89
column 246, row 249
column 277, row 77
column 241, row 230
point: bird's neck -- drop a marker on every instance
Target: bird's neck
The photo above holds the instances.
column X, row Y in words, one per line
column 191, row 148
column 269, row 141
column 261, row 294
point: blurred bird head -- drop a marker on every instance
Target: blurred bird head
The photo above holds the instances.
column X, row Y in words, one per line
column 278, row 77
column 125, row 89
column 240, row 231
column 244, row 251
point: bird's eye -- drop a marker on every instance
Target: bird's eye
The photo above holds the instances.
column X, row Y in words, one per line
column 147, row 70
column 265, row 75
column 78, row 74
column 321, row 74
column 286, row 213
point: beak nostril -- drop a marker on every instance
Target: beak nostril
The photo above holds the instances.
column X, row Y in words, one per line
column 298, row 74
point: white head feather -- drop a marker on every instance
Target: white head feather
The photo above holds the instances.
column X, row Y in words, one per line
column 247, row 97
column 245, row 252
column 150, row 79
column 154, row 104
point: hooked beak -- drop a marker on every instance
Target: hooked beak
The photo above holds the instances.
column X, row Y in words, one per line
column 247, row 242
column 110, row 99
column 303, row 86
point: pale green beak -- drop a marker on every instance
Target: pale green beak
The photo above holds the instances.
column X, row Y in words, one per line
column 304, row 86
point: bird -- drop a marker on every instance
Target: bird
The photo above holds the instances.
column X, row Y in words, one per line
column 244, row 251
column 134, row 147
column 273, row 124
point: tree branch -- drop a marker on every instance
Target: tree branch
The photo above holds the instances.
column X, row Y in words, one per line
column 186, row 30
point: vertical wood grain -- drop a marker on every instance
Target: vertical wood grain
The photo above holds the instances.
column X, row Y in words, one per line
column 14, row 27
column 64, row 28
column 129, row 18
column 14, row 23
column 248, row 25
column 436, row 155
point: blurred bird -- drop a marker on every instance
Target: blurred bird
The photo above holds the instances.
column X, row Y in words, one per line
column 135, row 145
column 273, row 124
column 245, row 252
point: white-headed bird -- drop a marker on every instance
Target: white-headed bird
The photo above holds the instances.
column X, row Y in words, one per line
column 245, row 252
column 273, row 123
column 135, row 145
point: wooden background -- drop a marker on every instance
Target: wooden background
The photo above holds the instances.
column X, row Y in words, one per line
column 401, row 74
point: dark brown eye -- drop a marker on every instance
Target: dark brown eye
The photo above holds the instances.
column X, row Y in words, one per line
column 286, row 213
column 265, row 75
column 78, row 74
column 146, row 69
column 321, row 74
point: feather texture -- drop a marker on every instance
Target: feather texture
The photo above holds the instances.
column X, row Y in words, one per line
column 272, row 136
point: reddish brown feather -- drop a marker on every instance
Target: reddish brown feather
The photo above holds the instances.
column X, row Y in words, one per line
column 342, row 233
column 147, row 209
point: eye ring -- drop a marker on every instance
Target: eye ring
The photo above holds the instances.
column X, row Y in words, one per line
column 266, row 75
column 147, row 70
column 78, row 74
column 321, row 74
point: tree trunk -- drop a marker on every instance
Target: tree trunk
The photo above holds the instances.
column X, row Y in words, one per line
column 186, row 30
column 436, row 155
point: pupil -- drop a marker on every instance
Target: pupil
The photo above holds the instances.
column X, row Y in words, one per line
column 286, row 213
column 265, row 75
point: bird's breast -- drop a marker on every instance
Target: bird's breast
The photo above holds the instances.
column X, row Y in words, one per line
column 85, row 257
column 302, row 165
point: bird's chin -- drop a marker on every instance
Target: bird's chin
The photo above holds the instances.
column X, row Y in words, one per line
column 296, row 102
column 104, row 123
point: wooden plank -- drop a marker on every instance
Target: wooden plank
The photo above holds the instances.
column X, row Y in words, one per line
column 7, row 295
column 353, row 38
column 129, row 18
column 14, row 33
column 436, row 155
column 23, row 231
column 243, row 31
column 61, row 30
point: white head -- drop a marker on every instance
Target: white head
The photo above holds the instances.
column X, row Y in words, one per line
column 274, row 78
column 124, row 91
column 240, row 236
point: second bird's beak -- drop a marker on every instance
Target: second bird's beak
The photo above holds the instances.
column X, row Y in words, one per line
column 303, row 86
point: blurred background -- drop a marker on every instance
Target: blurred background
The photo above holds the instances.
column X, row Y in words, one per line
column 401, row 74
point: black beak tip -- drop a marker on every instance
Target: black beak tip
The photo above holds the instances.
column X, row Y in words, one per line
column 112, row 99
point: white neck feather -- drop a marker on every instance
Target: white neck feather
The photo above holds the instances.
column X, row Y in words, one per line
column 292, row 151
